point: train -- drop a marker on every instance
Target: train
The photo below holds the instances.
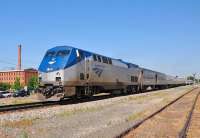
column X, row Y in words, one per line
column 67, row 71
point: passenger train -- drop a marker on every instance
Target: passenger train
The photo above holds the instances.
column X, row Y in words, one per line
column 71, row 72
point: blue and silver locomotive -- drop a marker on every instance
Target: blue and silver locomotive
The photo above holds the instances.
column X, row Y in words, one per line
column 67, row 71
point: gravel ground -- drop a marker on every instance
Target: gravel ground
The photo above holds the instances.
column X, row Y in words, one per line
column 105, row 118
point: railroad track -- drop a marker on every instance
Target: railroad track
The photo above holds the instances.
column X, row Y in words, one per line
column 184, row 130
column 36, row 105
column 16, row 107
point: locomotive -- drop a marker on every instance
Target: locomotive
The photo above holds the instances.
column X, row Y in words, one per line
column 67, row 71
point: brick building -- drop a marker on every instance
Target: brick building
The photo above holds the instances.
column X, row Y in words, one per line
column 23, row 74
column 11, row 75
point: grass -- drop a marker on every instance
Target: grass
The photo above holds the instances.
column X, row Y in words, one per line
column 14, row 101
column 19, row 124
column 79, row 110
column 21, row 101
column 109, row 123
column 135, row 116
column 142, row 98
column 24, row 134
column 137, row 97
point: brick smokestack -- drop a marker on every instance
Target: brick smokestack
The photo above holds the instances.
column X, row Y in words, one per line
column 19, row 64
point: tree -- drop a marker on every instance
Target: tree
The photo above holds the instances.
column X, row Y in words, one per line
column 197, row 80
column 4, row 86
column 190, row 78
column 33, row 83
column 17, row 85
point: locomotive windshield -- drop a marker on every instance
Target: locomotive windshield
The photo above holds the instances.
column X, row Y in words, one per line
column 50, row 54
column 63, row 53
column 55, row 59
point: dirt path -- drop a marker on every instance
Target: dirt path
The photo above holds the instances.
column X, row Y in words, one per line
column 169, row 122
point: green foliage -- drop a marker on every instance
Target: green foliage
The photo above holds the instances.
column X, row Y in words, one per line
column 4, row 86
column 190, row 78
column 17, row 85
column 33, row 83
column 197, row 80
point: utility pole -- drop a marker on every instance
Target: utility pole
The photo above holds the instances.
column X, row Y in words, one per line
column 194, row 75
column 198, row 79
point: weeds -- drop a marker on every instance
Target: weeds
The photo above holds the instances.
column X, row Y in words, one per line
column 24, row 134
column 79, row 110
column 21, row 123
column 135, row 116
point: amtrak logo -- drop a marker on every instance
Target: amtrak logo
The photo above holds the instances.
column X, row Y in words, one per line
column 53, row 61
column 98, row 71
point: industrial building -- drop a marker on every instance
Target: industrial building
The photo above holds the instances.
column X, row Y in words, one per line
column 9, row 76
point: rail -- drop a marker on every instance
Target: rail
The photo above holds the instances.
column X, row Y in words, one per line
column 183, row 133
column 7, row 108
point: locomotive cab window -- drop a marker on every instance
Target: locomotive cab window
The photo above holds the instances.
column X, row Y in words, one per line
column 79, row 54
column 50, row 54
column 63, row 53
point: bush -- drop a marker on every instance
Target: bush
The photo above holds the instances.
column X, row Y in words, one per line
column 4, row 86
column 33, row 83
column 17, row 85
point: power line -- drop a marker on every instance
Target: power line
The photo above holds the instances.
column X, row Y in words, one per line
column 13, row 61
column 5, row 62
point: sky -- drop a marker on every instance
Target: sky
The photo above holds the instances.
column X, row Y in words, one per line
column 162, row 35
